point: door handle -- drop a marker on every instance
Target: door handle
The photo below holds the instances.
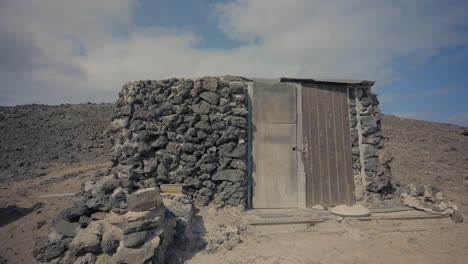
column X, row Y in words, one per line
column 302, row 149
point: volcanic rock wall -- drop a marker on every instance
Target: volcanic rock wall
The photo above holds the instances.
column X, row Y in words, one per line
column 184, row 131
column 371, row 168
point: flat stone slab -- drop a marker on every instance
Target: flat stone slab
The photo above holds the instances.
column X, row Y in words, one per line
column 66, row 228
column 137, row 255
column 355, row 210
column 144, row 200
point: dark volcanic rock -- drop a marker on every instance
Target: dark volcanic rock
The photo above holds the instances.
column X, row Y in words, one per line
column 35, row 136
column 45, row 250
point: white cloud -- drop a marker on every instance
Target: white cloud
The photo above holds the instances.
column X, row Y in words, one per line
column 390, row 97
column 441, row 91
column 56, row 51
column 460, row 118
column 413, row 115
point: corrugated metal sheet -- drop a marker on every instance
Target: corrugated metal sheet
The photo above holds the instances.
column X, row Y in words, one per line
column 349, row 81
column 316, row 80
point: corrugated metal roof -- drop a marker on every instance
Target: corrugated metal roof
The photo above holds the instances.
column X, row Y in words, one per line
column 288, row 79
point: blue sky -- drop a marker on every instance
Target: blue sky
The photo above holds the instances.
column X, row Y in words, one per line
column 56, row 51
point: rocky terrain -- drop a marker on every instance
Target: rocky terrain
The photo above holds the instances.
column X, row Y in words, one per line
column 53, row 149
column 36, row 137
column 429, row 153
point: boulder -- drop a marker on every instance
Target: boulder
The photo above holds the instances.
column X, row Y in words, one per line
column 211, row 85
column 369, row 122
column 205, row 191
column 137, row 255
column 65, row 228
column 87, row 240
column 160, row 143
column 45, row 250
column 150, row 222
column 370, row 151
column 207, row 167
column 111, row 239
column 230, row 150
column 210, row 97
column 229, row 175
column 99, row 202
column 136, row 239
column 457, row 217
column 236, row 87
column 205, row 126
column 84, row 221
column 202, row 108
column 238, row 121
column 238, row 164
column 144, row 200
column 74, row 213
column 88, row 258
column 150, row 165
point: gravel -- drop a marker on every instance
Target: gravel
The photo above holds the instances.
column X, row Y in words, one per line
column 35, row 137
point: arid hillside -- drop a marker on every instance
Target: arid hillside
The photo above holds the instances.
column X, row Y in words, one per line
column 35, row 138
column 48, row 150
column 429, row 153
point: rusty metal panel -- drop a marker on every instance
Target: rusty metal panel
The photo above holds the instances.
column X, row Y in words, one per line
column 328, row 151
column 274, row 163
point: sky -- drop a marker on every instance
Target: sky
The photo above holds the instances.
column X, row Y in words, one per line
column 66, row 51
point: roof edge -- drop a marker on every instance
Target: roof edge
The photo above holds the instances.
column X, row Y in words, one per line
column 348, row 81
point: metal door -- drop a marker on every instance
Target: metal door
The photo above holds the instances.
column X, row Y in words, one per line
column 327, row 157
column 274, row 164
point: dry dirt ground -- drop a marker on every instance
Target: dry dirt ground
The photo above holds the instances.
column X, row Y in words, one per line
column 429, row 153
column 424, row 152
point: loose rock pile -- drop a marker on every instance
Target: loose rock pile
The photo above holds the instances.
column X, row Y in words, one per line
column 225, row 237
column 141, row 235
column 171, row 131
column 430, row 199
column 371, row 169
column 35, row 137
column 184, row 131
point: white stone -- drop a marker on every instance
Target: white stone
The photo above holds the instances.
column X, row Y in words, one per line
column 318, row 207
column 355, row 210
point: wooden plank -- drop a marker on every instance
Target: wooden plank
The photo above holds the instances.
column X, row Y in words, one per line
column 275, row 179
column 414, row 217
column 274, row 163
column 340, row 149
column 314, row 146
column 301, row 174
column 332, row 157
column 347, row 154
column 172, row 188
column 311, row 220
column 311, row 135
column 323, row 146
column 307, row 154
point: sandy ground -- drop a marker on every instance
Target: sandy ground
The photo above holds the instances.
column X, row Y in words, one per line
column 434, row 246
column 424, row 152
column 20, row 225
column 429, row 153
column 356, row 246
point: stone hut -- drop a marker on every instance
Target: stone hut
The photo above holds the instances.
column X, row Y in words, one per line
column 254, row 143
